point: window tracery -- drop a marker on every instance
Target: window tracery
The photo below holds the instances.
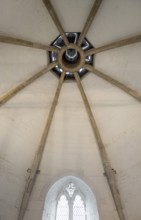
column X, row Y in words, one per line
column 71, row 204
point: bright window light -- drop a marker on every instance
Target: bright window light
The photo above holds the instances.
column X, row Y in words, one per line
column 62, row 209
column 70, row 205
column 78, row 209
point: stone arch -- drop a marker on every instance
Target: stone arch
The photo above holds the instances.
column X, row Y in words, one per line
column 50, row 205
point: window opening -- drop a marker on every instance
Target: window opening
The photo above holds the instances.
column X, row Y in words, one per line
column 78, row 209
column 62, row 212
column 70, row 204
column 70, row 199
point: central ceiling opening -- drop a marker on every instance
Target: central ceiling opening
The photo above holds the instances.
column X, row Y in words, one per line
column 71, row 57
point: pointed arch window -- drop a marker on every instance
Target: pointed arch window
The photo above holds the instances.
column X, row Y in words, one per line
column 71, row 204
column 70, row 199
column 62, row 211
column 79, row 209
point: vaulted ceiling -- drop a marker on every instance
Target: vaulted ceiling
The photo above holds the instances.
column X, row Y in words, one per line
column 101, row 111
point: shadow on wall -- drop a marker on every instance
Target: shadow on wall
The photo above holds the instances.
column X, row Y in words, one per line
column 70, row 188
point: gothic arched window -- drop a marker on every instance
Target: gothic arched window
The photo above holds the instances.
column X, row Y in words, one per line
column 79, row 211
column 70, row 199
column 70, row 204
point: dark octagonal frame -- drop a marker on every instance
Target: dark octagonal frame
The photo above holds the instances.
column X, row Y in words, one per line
column 73, row 39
